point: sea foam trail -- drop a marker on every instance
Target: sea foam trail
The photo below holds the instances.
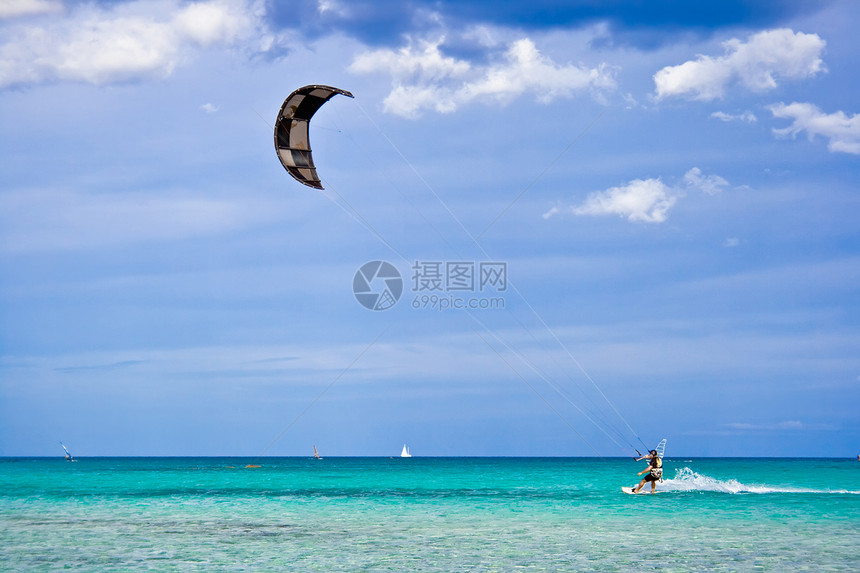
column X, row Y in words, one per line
column 687, row 480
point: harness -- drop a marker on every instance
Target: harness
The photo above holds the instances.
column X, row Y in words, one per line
column 657, row 470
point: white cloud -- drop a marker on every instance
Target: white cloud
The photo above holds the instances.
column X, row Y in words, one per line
column 710, row 184
column 731, row 242
column 407, row 64
column 212, row 22
column 324, row 6
column 408, row 101
column 209, row 108
column 17, row 8
column 526, row 69
column 843, row 132
column 101, row 45
column 755, row 64
column 482, row 35
column 553, row 211
column 425, row 79
column 643, row 200
column 746, row 117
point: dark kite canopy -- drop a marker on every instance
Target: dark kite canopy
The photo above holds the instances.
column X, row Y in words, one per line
column 291, row 131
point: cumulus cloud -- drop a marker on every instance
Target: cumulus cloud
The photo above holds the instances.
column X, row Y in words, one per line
column 17, row 8
column 421, row 65
column 643, row 200
column 425, row 79
column 646, row 200
column 710, row 184
column 746, row 117
column 755, row 64
column 102, row 45
column 842, row 131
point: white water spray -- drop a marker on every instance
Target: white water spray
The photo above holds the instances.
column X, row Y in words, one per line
column 687, row 480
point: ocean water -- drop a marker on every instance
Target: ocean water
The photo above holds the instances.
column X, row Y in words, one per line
column 427, row 514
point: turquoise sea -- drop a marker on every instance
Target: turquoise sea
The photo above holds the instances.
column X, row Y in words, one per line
column 427, row 514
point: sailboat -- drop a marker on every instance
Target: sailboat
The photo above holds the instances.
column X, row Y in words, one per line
column 405, row 453
column 316, row 453
column 661, row 447
column 69, row 457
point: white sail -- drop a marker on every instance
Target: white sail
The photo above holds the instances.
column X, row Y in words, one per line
column 68, row 454
column 405, row 453
column 661, row 447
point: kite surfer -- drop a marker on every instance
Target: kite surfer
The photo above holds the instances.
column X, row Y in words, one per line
column 654, row 471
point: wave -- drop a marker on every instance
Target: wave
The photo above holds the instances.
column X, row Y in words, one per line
column 687, row 480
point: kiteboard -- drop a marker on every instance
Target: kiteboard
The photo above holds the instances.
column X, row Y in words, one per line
column 629, row 490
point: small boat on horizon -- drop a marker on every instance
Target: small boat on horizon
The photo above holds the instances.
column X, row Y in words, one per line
column 405, row 453
column 316, row 453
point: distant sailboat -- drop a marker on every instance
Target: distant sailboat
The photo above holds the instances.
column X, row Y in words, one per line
column 69, row 457
column 661, row 447
column 316, row 453
column 405, row 453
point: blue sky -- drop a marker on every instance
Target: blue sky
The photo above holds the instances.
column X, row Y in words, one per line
column 672, row 192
